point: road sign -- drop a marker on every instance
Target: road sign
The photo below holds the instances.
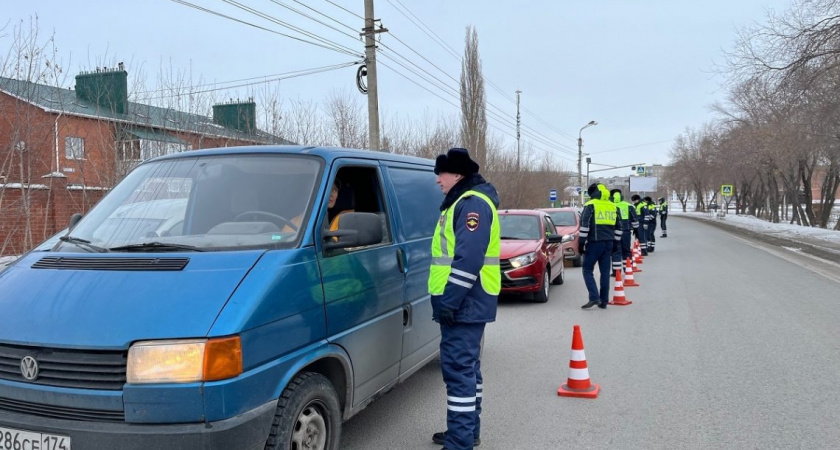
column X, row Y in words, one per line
column 552, row 195
column 577, row 189
column 640, row 170
column 726, row 190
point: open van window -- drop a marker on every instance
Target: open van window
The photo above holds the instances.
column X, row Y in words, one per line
column 359, row 191
column 206, row 202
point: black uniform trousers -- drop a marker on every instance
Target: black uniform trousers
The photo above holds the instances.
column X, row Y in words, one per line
column 460, row 348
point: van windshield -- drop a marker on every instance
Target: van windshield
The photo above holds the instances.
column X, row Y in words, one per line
column 206, row 203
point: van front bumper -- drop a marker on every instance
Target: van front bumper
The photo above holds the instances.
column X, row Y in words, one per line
column 246, row 431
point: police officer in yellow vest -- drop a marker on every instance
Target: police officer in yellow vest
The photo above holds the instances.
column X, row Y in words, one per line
column 663, row 216
column 600, row 237
column 464, row 282
column 629, row 223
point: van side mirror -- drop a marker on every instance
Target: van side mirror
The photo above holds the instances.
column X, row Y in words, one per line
column 74, row 219
column 355, row 229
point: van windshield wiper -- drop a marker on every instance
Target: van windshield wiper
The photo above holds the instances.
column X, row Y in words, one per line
column 83, row 243
column 155, row 247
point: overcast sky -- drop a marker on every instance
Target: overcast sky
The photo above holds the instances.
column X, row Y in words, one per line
column 643, row 69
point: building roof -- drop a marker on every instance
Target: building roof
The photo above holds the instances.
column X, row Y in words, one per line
column 64, row 101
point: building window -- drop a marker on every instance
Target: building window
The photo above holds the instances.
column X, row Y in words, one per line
column 74, row 147
column 152, row 149
column 129, row 150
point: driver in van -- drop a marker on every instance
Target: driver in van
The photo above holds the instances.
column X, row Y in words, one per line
column 333, row 213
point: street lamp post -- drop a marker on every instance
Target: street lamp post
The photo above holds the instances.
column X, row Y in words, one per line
column 580, row 157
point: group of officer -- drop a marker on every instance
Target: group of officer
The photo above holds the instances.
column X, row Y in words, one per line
column 606, row 225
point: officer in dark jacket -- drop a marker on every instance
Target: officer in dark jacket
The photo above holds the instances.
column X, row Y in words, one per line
column 650, row 224
column 464, row 283
column 641, row 213
column 600, row 237
column 629, row 223
column 663, row 215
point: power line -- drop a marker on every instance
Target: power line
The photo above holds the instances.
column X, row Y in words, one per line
column 542, row 137
column 345, row 9
column 500, row 114
column 435, row 37
column 632, row 146
column 438, row 95
column 429, row 33
column 276, row 2
column 216, row 13
column 295, row 74
column 290, row 26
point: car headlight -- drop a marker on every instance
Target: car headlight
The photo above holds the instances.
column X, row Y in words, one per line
column 524, row 260
column 184, row 360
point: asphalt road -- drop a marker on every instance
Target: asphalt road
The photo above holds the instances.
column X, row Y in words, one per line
column 729, row 344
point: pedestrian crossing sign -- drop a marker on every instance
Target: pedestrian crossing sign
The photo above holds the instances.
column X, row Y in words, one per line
column 726, row 190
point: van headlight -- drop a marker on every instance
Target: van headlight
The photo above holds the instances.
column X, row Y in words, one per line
column 524, row 260
column 184, row 360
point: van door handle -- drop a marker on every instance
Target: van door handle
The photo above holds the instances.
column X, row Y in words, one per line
column 401, row 259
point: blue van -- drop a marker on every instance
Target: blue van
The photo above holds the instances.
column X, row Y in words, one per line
column 216, row 299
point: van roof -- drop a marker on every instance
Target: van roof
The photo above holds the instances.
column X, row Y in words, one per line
column 328, row 153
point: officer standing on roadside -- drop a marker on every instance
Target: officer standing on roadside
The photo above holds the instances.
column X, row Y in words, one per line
column 663, row 215
column 600, row 237
column 650, row 221
column 641, row 212
column 629, row 222
column 464, row 282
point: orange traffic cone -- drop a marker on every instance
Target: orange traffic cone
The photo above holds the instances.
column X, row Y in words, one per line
column 578, row 384
column 633, row 262
column 618, row 294
column 631, row 281
column 638, row 254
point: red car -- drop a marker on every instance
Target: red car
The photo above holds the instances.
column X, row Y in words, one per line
column 567, row 222
column 532, row 253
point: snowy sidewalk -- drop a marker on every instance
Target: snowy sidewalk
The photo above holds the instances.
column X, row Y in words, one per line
column 815, row 241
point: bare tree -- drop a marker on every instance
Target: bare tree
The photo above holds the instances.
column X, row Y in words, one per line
column 473, row 105
column 32, row 61
column 347, row 120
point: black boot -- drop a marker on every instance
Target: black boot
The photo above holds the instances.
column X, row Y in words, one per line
column 590, row 304
column 439, row 437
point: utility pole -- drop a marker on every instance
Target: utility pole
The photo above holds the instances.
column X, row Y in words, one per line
column 518, row 121
column 580, row 157
column 369, row 32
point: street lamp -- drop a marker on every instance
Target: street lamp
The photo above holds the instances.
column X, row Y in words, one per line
column 580, row 157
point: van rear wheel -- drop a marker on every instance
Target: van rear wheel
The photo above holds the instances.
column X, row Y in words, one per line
column 308, row 416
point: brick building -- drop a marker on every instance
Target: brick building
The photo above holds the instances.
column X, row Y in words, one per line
column 62, row 149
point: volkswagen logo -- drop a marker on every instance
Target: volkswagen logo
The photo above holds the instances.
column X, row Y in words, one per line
column 29, row 368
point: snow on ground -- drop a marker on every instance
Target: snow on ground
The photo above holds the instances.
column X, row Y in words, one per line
column 784, row 230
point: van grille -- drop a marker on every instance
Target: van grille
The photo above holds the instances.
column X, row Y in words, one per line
column 504, row 265
column 84, row 369
column 60, row 412
column 144, row 264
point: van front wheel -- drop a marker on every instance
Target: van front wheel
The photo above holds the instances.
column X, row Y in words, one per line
column 308, row 416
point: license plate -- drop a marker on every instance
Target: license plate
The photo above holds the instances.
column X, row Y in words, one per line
column 13, row 439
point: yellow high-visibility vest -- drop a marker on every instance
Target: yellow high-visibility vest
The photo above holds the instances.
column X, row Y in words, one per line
column 443, row 251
